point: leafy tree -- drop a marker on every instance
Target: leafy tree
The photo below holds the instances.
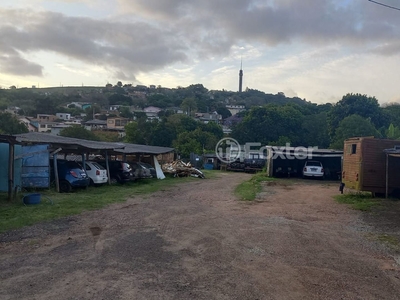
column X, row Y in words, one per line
column 186, row 144
column 214, row 129
column 353, row 126
column 11, row 125
column 266, row 124
column 165, row 113
column 163, row 134
column 140, row 115
column 362, row 105
column 125, row 112
column 139, row 132
column 189, row 106
column 78, row 132
column 4, row 103
column 224, row 112
column 158, row 100
column 90, row 111
column 133, row 135
column 197, row 141
column 183, row 122
column 393, row 132
column 107, row 136
column 315, row 131
column 46, row 105
column 392, row 112
column 120, row 99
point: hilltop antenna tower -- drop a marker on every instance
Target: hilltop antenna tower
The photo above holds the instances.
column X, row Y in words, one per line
column 241, row 76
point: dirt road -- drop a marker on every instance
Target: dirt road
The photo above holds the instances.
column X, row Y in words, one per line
column 197, row 241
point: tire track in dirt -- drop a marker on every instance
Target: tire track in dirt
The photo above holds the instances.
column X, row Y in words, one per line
column 197, row 241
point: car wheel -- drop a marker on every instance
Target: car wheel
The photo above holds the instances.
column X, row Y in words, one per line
column 113, row 180
column 91, row 182
column 65, row 187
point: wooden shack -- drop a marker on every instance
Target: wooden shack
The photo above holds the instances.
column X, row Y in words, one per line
column 364, row 166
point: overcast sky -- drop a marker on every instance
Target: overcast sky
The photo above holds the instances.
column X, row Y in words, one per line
column 314, row 49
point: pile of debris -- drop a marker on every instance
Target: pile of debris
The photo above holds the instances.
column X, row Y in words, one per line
column 179, row 168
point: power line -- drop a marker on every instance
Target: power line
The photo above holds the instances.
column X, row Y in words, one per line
column 385, row 5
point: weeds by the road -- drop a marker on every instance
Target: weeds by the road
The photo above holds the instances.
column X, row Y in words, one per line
column 249, row 189
column 55, row 205
column 389, row 241
column 358, row 201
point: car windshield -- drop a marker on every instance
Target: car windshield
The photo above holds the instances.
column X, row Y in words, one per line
column 313, row 164
column 72, row 165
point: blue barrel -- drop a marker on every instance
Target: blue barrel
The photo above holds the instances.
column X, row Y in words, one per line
column 31, row 199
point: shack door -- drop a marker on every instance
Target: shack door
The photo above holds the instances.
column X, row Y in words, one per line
column 35, row 167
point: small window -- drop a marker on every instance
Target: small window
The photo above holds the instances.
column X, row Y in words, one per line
column 353, row 148
column 88, row 168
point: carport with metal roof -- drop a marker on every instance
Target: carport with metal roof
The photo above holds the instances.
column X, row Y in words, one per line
column 66, row 145
column 59, row 144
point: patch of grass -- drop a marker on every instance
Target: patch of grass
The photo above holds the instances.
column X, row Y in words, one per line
column 55, row 205
column 358, row 201
column 210, row 174
column 249, row 189
column 390, row 241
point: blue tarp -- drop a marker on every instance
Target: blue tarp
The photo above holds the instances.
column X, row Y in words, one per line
column 35, row 167
column 4, row 166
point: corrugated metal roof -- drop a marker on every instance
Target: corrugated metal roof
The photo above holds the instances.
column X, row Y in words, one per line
column 45, row 138
column 96, row 122
column 135, row 148
column 7, row 139
column 301, row 149
column 59, row 141
column 393, row 151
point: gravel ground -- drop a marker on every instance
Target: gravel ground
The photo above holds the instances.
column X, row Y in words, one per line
column 197, row 241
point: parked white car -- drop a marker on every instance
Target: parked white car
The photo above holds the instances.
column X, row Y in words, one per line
column 96, row 173
column 313, row 168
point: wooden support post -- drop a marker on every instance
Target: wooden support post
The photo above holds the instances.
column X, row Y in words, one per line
column 387, row 176
column 84, row 162
column 10, row 171
column 55, row 167
column 108, row 169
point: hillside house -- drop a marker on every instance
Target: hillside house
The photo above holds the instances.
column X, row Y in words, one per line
column 63, row 116
column 152, row 112
column 235, row 109
column 117, row 123
column 208, row 117
column 45, row 118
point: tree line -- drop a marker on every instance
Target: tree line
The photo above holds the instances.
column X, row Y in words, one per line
column 325, row 126
column 269, row 119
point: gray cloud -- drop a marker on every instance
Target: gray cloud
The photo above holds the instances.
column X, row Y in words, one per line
column 126, row 47
column 172, row 30
column 276, row 21
column 11, row 62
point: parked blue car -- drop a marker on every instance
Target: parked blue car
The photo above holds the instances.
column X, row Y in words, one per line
column 70, row 174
